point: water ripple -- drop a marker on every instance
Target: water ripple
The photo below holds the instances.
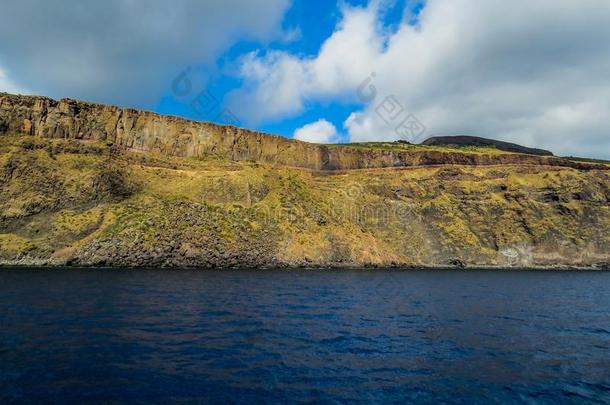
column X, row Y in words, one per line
column 277, row 337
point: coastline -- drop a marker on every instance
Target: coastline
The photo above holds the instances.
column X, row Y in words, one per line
column 78, row 190
column 602, row 267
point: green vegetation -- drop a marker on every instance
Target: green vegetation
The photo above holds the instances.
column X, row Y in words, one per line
column 91, row 203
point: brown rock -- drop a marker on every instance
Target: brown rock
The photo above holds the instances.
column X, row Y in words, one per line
column 147, row 131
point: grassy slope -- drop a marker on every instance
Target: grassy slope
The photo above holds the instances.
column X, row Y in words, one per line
column 68, row 201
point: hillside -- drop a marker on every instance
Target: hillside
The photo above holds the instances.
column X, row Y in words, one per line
column 462, row 140
column 148, row 190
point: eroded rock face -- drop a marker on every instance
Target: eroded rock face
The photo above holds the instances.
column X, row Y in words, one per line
column 172, row 136
column 145, row 131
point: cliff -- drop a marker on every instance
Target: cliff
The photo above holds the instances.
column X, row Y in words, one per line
column 86, row 184
column 172, row 136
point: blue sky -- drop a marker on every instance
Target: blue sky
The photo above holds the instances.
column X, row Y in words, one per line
column 534, row 72
column 311, row 22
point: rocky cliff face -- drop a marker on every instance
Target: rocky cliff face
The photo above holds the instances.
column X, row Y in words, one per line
column 172, row 136
column 145, row 131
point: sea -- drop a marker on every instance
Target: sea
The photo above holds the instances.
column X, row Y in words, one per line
column 304, row 336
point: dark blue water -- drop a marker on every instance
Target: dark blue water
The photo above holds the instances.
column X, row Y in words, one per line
column 304, row 336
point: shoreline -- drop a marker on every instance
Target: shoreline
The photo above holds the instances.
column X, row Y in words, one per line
column 282, row 268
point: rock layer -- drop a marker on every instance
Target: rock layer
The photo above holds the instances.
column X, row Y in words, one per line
column 172, row 136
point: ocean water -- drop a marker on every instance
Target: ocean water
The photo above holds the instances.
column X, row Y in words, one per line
column 157, row 336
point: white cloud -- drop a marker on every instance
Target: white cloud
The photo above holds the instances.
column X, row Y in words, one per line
column 278, row 83
column 320, row 131
column 7, row 85
column 276, row 91
column 123, row 51
column 528, row 71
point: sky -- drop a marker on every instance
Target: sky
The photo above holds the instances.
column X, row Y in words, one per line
column 533, row 72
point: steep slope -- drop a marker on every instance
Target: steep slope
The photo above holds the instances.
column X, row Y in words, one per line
column 91, row 203
column 172, row 136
